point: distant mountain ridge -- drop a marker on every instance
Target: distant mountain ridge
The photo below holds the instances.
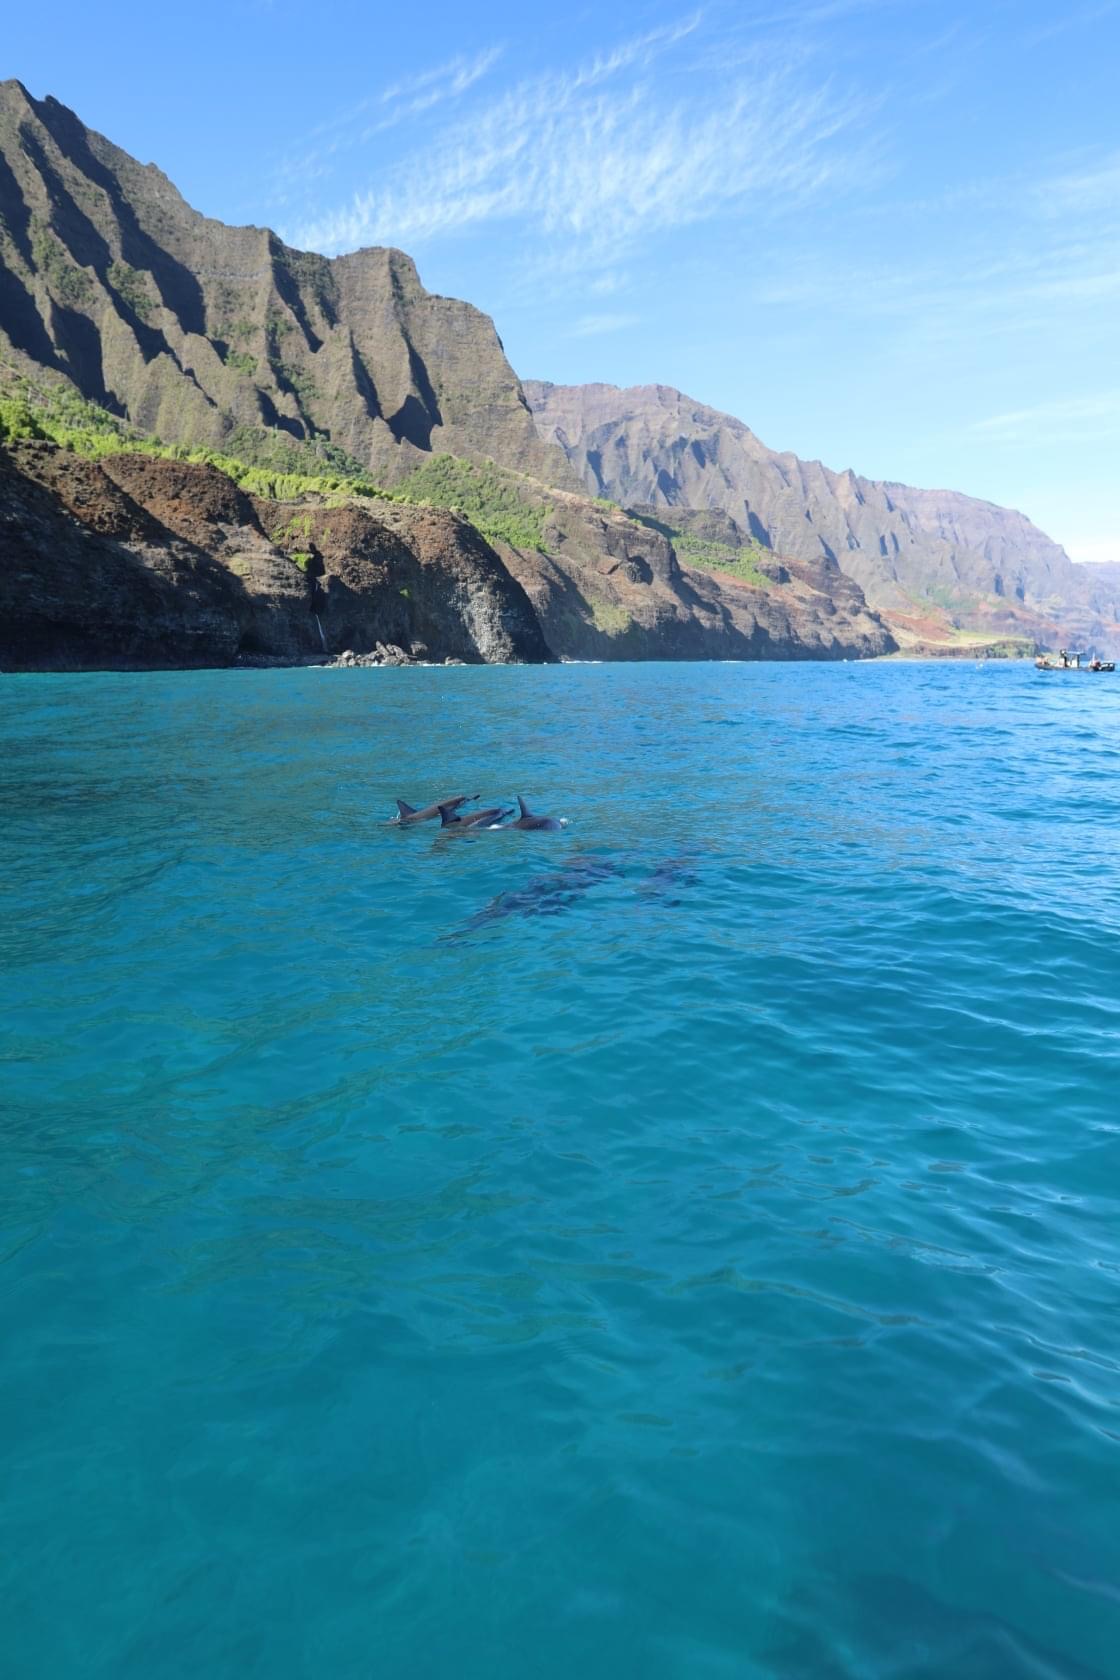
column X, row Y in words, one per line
column 202, row 333
column 916, row 554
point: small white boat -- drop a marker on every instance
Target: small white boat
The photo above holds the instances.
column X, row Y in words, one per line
column 1071, row 662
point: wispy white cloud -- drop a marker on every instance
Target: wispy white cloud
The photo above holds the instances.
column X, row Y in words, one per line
column 594, row 159
column 382, row 110
column 434, row 87
column 1096, row 415
column 1079, row 18
column 1093, row 187
column 609, row 283
column 1042, row 251
column 593, row 326
column 451, row 73
column 639, row 50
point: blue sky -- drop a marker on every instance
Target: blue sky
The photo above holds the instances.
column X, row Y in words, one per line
column 885, row 233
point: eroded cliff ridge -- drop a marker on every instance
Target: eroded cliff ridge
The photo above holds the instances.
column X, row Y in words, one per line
column 134, row 559
column 132, row 562
column 201, row 333
column 934, row 562
column 607, row 584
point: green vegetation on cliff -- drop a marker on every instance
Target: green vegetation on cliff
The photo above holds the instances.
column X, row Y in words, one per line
column 241, row 362
column 742, row 563
column 261, row 463
column 503, row 506
column 492, row 498
column 133, row 288
column 70, row 284
column 495, row 501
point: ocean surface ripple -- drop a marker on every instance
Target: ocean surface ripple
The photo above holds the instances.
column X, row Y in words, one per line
column 685, row 1246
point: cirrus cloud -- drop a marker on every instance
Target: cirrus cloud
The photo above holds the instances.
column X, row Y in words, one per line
column 592, row 159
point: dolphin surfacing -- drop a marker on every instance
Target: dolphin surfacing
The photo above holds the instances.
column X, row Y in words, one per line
column 451, row 822
column 409, row 814
column 539, row 825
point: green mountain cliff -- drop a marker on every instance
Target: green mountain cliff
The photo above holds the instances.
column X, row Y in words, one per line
column 117, row 549
column 200, row 333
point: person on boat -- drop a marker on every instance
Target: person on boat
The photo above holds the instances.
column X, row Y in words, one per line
column 1064, row 657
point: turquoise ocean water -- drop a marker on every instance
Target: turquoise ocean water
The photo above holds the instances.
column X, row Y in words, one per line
column 685, row 1246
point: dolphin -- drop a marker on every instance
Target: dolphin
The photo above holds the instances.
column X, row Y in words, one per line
column 670, row 874
column 548, row 895
column 409, row 814
column 449, row 820
column 527, row 821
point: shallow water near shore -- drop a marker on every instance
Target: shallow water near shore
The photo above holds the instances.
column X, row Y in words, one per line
column 685, row 1246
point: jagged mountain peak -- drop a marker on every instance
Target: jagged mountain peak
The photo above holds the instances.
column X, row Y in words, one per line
column 203, row 333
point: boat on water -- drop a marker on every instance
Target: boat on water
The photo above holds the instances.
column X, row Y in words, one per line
column 1064, row 661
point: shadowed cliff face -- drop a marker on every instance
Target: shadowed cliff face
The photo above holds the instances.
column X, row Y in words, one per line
column 134, row 560
column 922, row 557
column 139, row 562
column 197, row 332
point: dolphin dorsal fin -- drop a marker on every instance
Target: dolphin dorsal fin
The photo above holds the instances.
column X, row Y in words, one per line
column 447, row 816
column 525, row 811
column 405, row 810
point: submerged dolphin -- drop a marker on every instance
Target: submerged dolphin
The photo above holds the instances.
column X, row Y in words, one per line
column 527, row 821
column 670, row 874
column 409, row 813
column 548, row 895
column 475, row 819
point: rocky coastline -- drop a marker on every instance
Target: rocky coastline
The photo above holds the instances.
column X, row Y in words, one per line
column 134, row 561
